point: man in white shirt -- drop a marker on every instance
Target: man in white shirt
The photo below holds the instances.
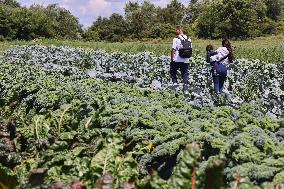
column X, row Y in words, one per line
column 178, row 62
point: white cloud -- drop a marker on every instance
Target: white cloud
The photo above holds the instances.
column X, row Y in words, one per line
column 88, row 10
column 97, row 6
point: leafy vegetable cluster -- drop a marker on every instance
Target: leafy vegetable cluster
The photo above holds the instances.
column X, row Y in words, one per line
column 63, row 128
column 248, row 80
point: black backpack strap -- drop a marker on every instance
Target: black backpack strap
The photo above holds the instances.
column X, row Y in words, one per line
column 223, row 58
column 184, row 39
column 179, row 38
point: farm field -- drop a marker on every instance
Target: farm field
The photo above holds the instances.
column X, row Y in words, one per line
column 269, row 49
column 76, row 115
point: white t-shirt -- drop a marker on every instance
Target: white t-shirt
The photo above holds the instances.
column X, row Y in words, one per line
column 221, row 53
column 176, row 46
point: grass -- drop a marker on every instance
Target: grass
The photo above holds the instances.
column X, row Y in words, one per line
column 269, row 49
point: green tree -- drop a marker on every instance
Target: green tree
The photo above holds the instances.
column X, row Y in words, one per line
column 16, row 23
column 149, row 12
column 261, row 9
column 23, row 24
column 269, row 14
column 275, row 9
column 140, row 18
column 42, row 23
column 173, row 13
column 10, row 3
column 208, row 19
column 91, row 35
column 6, row 23
column 241, row 18
column 64, row 23
column 135, row 19
column 162, row 30
column 111, row 29
column 194, row 9
column 98, row 30
column 50, row 22
column 228, row 18
column 118, row 28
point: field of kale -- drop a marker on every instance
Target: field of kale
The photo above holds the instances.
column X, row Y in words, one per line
column 77, row 118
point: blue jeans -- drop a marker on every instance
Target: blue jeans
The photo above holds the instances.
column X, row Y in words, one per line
column 218, row 83
column 174, row 67
column 219, row 72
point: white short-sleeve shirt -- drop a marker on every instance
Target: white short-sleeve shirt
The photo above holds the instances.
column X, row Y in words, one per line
column 176, row 46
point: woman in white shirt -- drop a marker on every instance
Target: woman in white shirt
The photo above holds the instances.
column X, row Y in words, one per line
column 222, row 57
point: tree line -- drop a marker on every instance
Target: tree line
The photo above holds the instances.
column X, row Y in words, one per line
column 143, row 21
column 52, row 21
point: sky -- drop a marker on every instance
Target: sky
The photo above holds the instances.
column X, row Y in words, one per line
column 87, row 11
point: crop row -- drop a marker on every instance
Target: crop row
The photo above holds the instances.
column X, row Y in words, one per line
column 60, row 128
column 248, row 80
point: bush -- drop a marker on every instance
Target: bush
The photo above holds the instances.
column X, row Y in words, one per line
column 91, row 35
column 269, row 26
column 280, row 28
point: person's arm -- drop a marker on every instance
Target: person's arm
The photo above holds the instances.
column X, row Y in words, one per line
column 173, row 51
column 209, row 54
column 208, row 57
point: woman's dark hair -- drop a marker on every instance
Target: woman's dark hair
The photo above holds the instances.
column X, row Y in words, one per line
column 226, row 43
